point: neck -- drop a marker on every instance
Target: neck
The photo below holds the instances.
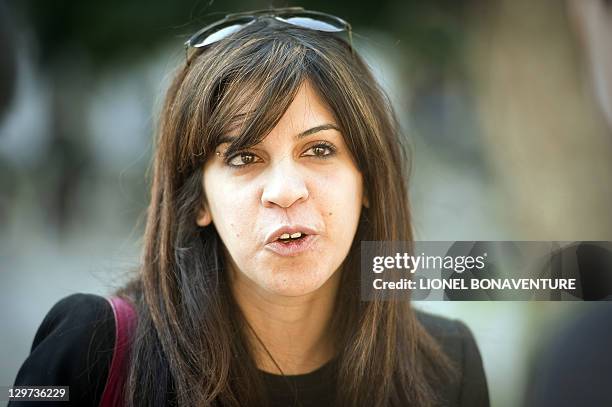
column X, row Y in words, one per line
column 294, row 330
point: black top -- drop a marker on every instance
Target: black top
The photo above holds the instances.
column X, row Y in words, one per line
column 74, row 345
column 314, row 389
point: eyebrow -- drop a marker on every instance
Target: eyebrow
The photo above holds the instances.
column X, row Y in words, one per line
column 305, row 133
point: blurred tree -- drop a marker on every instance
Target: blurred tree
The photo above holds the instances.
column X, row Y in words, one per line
column 78, row 40
column 8, row 69
column 113, row 28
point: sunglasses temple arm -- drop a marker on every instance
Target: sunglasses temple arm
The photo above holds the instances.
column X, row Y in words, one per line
column 186, row 55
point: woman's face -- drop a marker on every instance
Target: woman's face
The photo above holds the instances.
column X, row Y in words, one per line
column 300, row 178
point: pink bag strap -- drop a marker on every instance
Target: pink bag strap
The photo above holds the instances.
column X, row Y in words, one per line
column 125, row 323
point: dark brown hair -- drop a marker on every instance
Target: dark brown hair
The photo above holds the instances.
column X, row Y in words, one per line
column 191, row 343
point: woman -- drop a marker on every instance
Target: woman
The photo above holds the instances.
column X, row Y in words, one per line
column 277, row 155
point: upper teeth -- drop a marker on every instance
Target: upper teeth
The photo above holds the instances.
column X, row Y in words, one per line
column 293, row 236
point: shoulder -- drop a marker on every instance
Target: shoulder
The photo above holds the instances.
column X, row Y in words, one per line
column 73, row 347
column 76, row 323
column 458, row 343
column 77, row 309
column 450, row 333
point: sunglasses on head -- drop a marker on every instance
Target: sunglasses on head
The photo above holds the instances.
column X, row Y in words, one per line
column 296, row 16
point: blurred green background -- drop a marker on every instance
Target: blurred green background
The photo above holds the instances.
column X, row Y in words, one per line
column 497, row 99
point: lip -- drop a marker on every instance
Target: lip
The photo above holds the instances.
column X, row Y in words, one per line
column 293, row 248
column 275, row 234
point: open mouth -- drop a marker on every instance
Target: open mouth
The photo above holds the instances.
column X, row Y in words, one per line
column 292, row 240
column 287, row 238
column 292, row 244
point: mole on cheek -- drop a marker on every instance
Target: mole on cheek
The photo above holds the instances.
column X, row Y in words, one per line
column 329, row 214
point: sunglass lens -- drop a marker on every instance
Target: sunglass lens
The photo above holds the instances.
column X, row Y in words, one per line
column 217, row 32
column 219, row 35
column 314, row 24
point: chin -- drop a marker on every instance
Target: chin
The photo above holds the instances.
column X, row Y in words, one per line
column 295, row 283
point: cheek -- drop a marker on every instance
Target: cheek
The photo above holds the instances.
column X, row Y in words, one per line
column 233, row 213
column 340, row 197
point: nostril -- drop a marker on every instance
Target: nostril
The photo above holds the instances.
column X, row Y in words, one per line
column 284, row 190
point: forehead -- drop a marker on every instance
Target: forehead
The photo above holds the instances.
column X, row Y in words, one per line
column 307, row 112
column 306, row 109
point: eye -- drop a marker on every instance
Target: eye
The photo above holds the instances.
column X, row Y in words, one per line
column 241, row 159
column 321, row 150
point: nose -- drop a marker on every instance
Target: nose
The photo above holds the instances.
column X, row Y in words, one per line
column 284, row 185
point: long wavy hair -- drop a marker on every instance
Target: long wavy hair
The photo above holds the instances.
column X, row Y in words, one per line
column 191, row 343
